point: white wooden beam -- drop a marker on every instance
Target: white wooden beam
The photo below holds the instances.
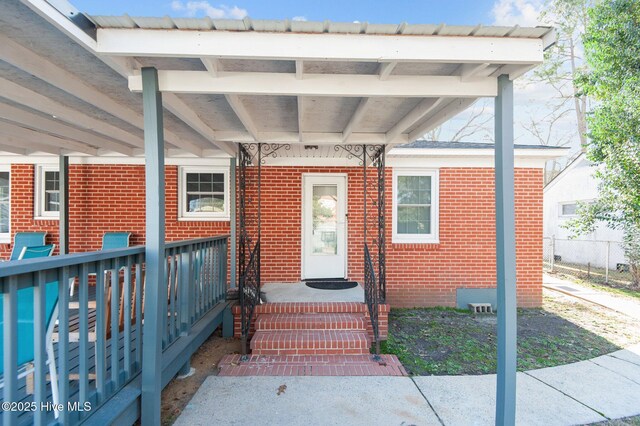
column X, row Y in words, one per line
column 386, row 68
column 123, row 66
column 468, row 71
column 344, row 47
column 441, row 116
column 50, row 14
column 13, row 149
column 34, row 64
column 350, row 85
column 212, row 65
column 34, row 138
column 243, row 115
column 416, row 114
column 308, row 137
column 299, row 69
column 357, row 116
column 38, row 102
column 301, row 124
column 56, row 127
column 180, row 109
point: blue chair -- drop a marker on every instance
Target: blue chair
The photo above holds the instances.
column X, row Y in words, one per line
column 25, row 320
column 110, row 240
column 115, row 240
column 26, row 239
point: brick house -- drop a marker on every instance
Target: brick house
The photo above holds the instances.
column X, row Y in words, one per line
column 296, row 139
column 455, row 255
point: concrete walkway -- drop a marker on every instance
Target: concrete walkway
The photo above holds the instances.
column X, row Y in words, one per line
column 606, row 387
column 624, row 305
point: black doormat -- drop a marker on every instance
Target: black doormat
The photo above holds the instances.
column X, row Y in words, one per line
column 330, row 284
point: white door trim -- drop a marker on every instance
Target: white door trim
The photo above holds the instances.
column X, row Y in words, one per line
column 305, row 176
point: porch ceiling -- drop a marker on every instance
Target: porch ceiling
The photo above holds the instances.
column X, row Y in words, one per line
column 226, row 81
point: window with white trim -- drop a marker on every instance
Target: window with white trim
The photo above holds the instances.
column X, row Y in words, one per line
column 568, row 209
column 415, row 206
column 204, row 193
column 47, row 193
column 5, row 205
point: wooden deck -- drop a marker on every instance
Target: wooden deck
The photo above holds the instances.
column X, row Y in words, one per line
column 26, row 384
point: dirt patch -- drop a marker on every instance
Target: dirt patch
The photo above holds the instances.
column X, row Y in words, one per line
column 179, row 392
column 454, row 342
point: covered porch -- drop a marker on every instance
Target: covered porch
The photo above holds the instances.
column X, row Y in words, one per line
column 248, row 93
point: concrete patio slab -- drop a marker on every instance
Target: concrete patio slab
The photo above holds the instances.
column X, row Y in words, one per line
column 308, row 401
column 299, row 292
column 595, row 386
column 470, row 400
column 624, row 368
column 631, row 354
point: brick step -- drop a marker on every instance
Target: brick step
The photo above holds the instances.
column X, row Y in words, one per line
column 311, row 321
column 310, row 307
column 311, row 365
column 310, row 342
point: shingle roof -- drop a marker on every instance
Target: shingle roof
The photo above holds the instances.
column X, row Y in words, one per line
column 467, row 145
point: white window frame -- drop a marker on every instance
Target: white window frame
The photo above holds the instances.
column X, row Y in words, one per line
column 183, row 214
column 39, row 194
column 434, row 236
column 565, row 203
column 5, row 237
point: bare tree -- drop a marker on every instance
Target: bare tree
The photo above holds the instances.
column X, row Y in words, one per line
column 476, row 124
column 564, row 64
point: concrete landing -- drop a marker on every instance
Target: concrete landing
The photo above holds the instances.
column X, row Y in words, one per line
column 606, row 387
column 299, row 292
column 307, row 401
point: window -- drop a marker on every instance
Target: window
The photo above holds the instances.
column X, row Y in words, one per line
column 415, row 206
column 568, row 209
column 47, row 193
column 5, row 206
column 203, row 193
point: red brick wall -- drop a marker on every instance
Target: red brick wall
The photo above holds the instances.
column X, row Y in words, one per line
column 102, row 198
column 417, row 274
column 111, row 198
column 429, row 274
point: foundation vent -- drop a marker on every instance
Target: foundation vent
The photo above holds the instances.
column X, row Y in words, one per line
column 480, row 308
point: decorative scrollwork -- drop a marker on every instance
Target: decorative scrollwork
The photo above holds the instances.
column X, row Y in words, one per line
column 262, row 151
column 353, row 151
column 271, row 150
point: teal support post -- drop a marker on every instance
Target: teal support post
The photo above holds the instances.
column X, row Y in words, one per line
column 63, row 179
column 505, row 254
column 155, row 294
column 232, row 208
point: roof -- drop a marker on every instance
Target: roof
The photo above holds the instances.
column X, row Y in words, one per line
column 315, row 27
column 67, row 88
column 467, row 145
column 571, row 164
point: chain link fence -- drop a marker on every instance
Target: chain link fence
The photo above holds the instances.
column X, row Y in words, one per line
column 597, row 261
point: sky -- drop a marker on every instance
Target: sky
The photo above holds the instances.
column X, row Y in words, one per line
column 426, row 11
column 532, row 100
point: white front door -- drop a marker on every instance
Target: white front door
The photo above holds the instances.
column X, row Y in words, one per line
column 324, row 226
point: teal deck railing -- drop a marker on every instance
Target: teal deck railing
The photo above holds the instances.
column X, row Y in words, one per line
column 93, row 339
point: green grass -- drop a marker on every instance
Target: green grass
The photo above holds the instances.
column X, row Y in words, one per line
column 445, row 341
